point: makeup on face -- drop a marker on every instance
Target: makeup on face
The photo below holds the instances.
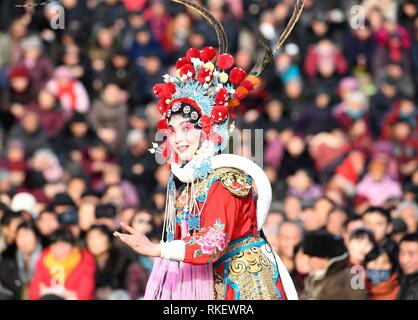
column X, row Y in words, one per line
column 183, row 137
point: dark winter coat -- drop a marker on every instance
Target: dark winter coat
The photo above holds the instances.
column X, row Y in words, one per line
column 335, row 284
column 409, row 287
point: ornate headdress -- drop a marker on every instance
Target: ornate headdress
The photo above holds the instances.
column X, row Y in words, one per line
column 207, row 86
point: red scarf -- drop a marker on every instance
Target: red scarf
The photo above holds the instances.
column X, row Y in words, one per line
column 67, row 90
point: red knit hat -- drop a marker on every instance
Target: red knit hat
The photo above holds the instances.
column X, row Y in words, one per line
column 18, row 72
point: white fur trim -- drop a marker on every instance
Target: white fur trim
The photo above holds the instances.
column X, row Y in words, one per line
column 174, row 250
column 261, row 181
column 288, row 286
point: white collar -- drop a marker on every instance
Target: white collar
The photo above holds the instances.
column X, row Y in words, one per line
column 262, row 183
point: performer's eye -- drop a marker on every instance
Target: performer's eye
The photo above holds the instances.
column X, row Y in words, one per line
column 187, row 127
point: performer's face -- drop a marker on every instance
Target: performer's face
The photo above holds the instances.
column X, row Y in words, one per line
column 183, row 137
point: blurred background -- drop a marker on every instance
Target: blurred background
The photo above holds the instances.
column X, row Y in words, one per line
column 338, row 108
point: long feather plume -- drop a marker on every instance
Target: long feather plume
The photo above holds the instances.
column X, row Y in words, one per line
column 220, row 32
column 268, row 53
column 297, row 11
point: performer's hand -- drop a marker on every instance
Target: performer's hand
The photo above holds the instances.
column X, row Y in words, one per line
column 138, row 241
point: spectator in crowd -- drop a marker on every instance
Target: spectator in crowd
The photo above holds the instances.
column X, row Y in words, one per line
column 379, row 221
column 301, row 185
column 49, row 112
column 46, row 223
column 322, row 208
column 143, row 221
column 377, row 186
column 16, row 272
column 300, row 270
column 137, row 164
column 382, row 275
column 360, row 243
column 25, row 204
column 63, row 269
column 317, row 117
column 38, row 63
column 271, row 227
column 69, row 91
column 408, row 260
column 73, row 140
column 336, row 220
column 399, row 229
column 16, row 96
column 111, row 263
column 30, row 132
column 408, row 213
column 329, row 273
column 290, row 234
column 109, row 116
column 9, row 223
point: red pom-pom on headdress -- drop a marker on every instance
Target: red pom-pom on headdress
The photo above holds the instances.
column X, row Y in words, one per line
column 182, row 61
column 208, row 54
column 225, row 61
column 193, row 53
column 187, row 70
column 222, row 97
column 204, row 75
column 219, row 114
column 164, row 90
column 237, row 75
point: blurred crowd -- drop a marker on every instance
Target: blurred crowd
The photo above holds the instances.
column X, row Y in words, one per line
column 338, row 108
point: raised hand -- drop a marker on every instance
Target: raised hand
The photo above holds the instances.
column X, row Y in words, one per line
column 138, row 241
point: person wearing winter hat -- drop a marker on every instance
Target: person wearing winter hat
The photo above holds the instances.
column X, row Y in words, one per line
column 25, row 202
column 62, row 202
column 330, row 277
column 39, row 65
column 17, row 94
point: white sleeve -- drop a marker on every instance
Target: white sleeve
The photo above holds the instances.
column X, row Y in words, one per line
column 174, row 250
